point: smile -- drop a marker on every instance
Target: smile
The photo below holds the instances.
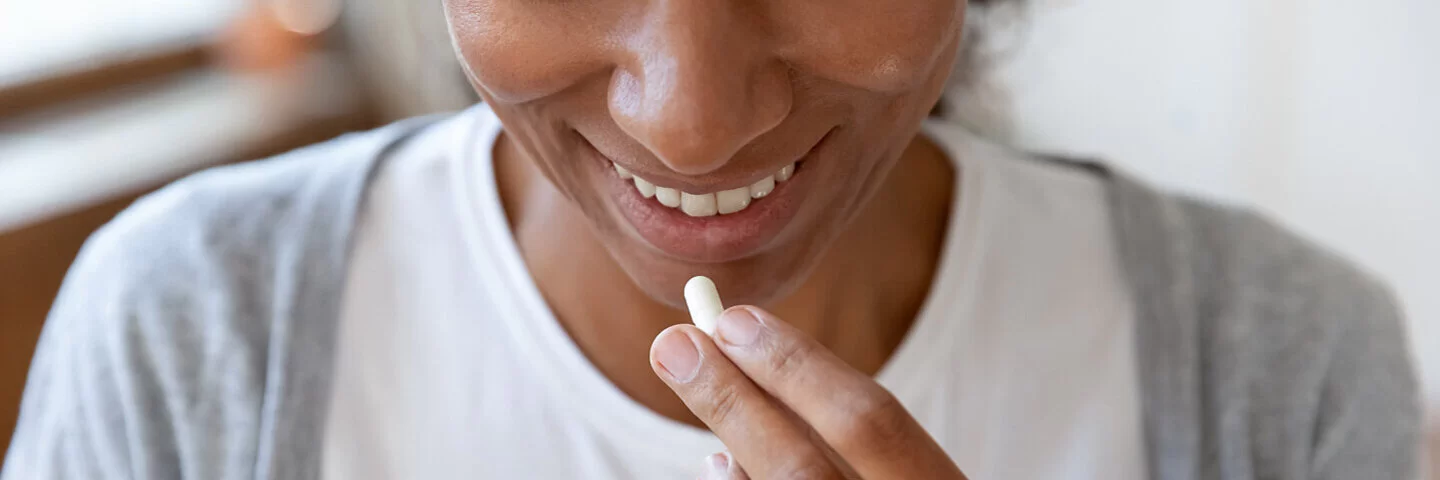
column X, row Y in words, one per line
column 722, row 222
column 707, row 204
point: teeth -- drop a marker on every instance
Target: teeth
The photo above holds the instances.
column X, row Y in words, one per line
column 763, row 187
column 785, row 173
column 708, row 204
column 702, row 205
column 668, row 196
column 733, row 200
column 646, row 188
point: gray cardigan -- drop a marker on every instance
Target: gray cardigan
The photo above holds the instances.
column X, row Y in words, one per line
column 193, row 337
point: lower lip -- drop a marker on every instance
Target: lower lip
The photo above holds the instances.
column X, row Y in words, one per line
column 713, row 239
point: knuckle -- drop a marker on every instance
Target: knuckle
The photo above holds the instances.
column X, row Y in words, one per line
column 722, row 403
column 874, row 421
column 786, row 359
column 810, row 467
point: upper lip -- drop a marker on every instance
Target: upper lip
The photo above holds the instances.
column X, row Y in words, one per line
column 703, row 184
column 707, row 183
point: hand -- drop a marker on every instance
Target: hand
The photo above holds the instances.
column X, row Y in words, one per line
column 787, row 408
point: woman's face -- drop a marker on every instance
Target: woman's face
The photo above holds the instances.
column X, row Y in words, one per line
column 708, row 96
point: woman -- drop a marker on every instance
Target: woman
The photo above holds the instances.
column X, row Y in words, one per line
column 476, row 295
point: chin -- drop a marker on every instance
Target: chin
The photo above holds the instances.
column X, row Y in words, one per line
column 761, row 280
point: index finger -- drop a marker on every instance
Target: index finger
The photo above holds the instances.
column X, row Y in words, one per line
column 861, row 420
column 755, row 428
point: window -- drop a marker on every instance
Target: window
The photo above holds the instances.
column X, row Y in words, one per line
column 44, row 39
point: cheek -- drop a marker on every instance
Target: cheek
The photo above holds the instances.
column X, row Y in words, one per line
column 521, row 50
column 558, row 154
column 547, row 142
column 885, row 46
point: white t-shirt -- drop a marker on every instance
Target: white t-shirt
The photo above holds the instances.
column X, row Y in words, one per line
column 450, row 364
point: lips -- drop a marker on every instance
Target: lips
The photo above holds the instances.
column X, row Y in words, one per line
column 714, row 225
column 723, row 202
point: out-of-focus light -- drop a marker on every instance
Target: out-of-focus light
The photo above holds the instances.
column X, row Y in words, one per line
column 306, row 17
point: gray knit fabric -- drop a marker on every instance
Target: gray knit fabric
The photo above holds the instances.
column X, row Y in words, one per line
column 194, row 336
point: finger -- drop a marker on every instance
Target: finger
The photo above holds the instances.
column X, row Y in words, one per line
column 754, row 428
column 719, row 467
column 861, row 420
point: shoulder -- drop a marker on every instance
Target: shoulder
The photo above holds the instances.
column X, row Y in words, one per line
column 223, row 232
column 1243, row 262
column 163, row 329
column 1229, row 263
column 1288, row 347
column 1289, row 298
column 224, row 220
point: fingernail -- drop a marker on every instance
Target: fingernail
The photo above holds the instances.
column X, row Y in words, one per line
column 718, row 465
column 739, row 327
column 677, row 355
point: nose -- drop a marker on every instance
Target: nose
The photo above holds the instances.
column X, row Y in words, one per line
column 700, row 81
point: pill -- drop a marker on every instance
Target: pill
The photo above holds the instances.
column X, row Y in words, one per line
column 704, row 303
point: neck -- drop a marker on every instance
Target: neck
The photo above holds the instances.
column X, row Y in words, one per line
column 859, row 302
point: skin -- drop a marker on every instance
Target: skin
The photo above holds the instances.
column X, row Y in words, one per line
column 704, row 93
column 756, row 385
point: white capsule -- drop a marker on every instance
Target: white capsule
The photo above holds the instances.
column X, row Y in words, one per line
column 704, row 302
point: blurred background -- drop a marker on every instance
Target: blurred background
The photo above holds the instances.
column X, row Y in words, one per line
column 1322, row 113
